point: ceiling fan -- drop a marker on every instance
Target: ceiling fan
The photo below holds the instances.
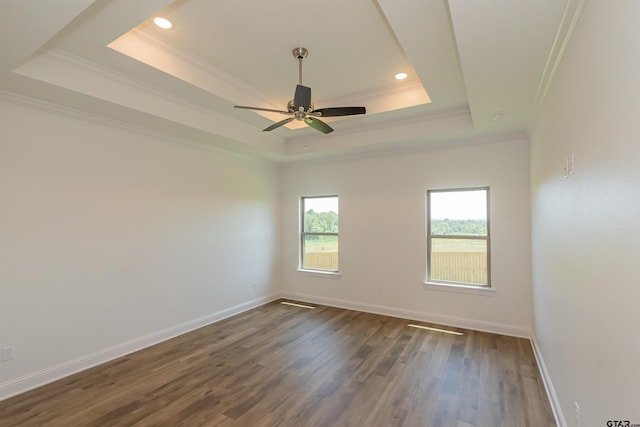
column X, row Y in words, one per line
column 301, row 107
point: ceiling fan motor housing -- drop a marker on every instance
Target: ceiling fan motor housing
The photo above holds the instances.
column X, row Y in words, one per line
column 291, row 107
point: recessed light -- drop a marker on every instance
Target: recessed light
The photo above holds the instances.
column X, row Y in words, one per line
column 400, row 76
column 163, row 23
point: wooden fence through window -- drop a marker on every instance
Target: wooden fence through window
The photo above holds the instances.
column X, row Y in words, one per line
column 465, row 267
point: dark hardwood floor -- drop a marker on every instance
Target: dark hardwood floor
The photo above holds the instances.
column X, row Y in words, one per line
column 281, row 365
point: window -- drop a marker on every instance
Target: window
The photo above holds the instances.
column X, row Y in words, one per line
column 319, row 233
column 458, row 236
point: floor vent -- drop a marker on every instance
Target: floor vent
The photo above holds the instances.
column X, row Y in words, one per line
column 434, row 329
column 296, row 304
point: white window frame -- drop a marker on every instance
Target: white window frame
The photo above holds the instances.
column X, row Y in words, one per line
column 303, row 234
column 429, row 236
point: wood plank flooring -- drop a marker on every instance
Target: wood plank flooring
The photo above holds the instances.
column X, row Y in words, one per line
column 280, row 365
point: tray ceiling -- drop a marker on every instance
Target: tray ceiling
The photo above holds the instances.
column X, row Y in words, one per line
column 477, row 70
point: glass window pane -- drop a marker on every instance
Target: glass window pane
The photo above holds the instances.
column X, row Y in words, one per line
column 320, row 214
column 458, row 212
column 320, row 253
column 459, row 260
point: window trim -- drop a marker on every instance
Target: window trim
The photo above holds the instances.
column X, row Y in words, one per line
column 303, row 234
column 458, row 285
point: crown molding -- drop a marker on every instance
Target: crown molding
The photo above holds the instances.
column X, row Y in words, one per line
column 393, row 123
column 427, row 130
column 101, row 120
column 414, row 86
column 217, row 81
column 407, row 148
column 68, row 71
column 570, row 16
column 121, row 78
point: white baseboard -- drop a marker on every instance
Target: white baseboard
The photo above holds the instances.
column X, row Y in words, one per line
column 460, row 322
column 548, row 385
column 36, row 379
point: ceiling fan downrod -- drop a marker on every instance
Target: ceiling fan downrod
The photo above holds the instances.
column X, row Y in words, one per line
column 300, row 53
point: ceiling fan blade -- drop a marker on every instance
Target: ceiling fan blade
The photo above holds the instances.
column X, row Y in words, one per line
column 261, row 109
column 302, row 98
column 277, row 125
column 340, row 111
column 318, row 124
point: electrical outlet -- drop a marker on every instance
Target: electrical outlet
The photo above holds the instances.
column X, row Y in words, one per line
column 8, row 353
column 255, row 285
column 379, row 290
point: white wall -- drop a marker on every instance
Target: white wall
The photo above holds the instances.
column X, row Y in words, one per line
column 382, row 233
column 112, row 238
column 586, row 229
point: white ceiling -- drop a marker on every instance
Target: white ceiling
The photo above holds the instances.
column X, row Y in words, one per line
column 466, row 60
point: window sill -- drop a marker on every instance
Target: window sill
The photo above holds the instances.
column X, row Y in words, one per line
column 335, row 275
column 460, row 289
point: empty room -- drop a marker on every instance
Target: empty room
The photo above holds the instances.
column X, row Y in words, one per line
column 340, row 213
